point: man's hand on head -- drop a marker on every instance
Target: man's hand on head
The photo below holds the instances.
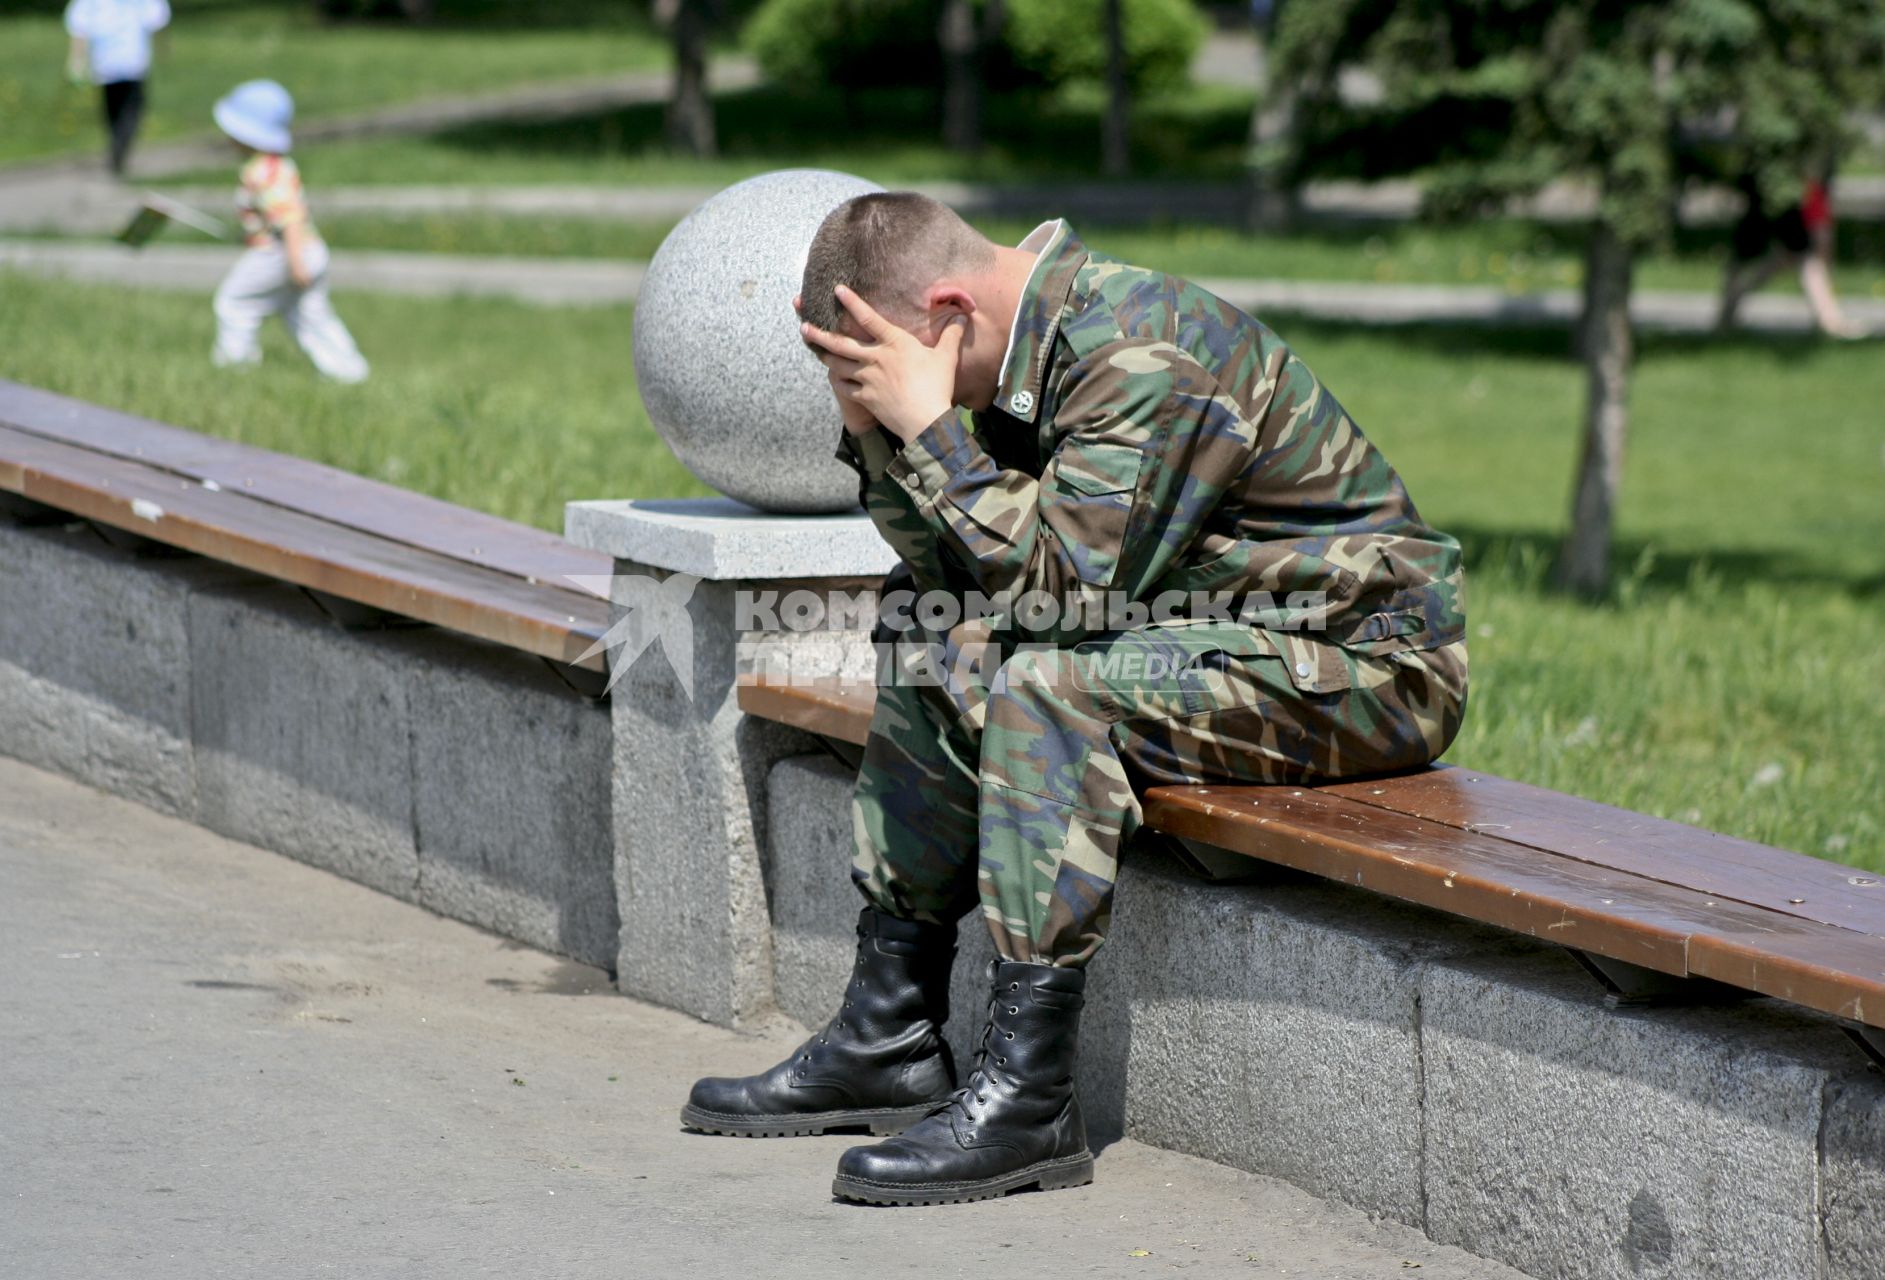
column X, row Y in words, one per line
column 893, row 376
column 857, row 419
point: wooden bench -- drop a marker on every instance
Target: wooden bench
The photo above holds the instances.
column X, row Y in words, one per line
column 1655, row 910
column 366, row 552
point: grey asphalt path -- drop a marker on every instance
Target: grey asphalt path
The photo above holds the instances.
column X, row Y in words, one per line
column 552, row 100
column 76, row 195
column 219, row 1062
column 568, row 282
column 586, row 282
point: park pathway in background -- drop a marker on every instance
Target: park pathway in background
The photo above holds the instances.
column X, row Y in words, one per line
column 609, row 282
column 75, row 194
column 223, row 1062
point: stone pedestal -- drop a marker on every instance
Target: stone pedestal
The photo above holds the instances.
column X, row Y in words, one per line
column 706, row 589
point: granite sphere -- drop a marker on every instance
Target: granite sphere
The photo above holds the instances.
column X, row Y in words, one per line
column 723, row 373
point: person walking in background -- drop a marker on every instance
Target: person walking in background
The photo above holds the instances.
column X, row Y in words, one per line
column 111, row 47
column 1764, row 243
column 284, row 272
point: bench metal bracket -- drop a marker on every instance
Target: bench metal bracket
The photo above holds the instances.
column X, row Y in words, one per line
column 1871, row 1042
column 135, row 543
column 1219, row 866
column 1631, row 985
column 351, row 615
column 593, row 685
column 848, row 753
column 15, row 509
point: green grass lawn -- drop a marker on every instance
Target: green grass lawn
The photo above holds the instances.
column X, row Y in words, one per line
column 330, row 68
column 1515, row 254
column 1730, row 681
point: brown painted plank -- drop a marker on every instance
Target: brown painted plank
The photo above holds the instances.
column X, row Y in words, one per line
column 1589, row 831
column 827, row 708
column 302, row 549
column 1575, row 904
column 401, row 515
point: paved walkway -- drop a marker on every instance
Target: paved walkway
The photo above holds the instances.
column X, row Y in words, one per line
column 220, row 1062
column 587, row 282
column 197, row 268
column 75, row 195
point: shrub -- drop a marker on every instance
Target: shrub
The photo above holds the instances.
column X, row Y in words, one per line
column 863, row 44
column 859, row 44
column 1064, row 41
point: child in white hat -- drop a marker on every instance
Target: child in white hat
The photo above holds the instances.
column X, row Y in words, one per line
column 284, row 272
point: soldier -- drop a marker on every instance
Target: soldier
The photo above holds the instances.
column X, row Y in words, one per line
column 1141, row 453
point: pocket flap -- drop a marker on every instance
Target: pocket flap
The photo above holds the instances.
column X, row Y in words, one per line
column 1315, row 666
column 1099, row 468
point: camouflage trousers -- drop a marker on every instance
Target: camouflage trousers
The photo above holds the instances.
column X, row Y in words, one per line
column 1005, row 773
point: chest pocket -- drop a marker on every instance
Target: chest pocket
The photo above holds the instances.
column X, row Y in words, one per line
column 1089, row 496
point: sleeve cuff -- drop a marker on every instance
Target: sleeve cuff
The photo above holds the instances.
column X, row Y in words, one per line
column 867, row 454
column 928, row 462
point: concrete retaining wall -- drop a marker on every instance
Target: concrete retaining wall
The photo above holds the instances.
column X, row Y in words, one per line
column 445, row 771
column 1468, row 1082
column 1464, row 1081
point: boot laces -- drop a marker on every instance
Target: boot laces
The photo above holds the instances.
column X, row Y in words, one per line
column 823, row 1036
column 982, row 1076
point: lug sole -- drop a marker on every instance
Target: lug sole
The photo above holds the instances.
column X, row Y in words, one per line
column 1048, row 1175
column 881, row 1121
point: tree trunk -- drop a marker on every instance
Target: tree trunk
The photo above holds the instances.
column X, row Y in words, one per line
column 962, row 76
column 1608, row 349
column 1271, row 197
column 1116, row 147
column 690, row 110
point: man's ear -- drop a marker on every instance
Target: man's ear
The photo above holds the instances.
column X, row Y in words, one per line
column 944, row 301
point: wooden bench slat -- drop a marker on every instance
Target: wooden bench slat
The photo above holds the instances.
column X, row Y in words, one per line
column 1590, row 831
column 828, row 709
column 401, row 515
column 306, row 550
column 1674, row 930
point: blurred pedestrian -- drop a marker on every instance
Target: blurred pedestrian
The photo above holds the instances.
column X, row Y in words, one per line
column 284, row 271
column 1801, row 235
column 111, row 47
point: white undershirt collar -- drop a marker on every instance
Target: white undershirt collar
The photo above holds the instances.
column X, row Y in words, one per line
column 1037, row 240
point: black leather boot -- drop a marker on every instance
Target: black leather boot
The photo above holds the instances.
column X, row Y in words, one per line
column 880, row 1061
column 1016, row 1123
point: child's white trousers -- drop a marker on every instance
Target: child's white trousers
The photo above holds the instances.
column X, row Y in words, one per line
column 257, row 287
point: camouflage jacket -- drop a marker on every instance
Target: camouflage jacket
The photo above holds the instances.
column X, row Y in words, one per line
column 1148, row 437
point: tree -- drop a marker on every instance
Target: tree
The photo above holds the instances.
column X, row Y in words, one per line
column 690, row 108
column 1115, row 140
column 1271, row 197
column 1492, row 99
column 964, row 39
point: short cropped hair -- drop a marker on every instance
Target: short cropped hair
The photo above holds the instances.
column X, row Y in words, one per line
column 887, row 247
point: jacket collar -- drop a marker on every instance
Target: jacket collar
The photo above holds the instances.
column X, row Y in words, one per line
column 1060, row 255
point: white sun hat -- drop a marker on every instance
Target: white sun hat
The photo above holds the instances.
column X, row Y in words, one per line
column 257, row 113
